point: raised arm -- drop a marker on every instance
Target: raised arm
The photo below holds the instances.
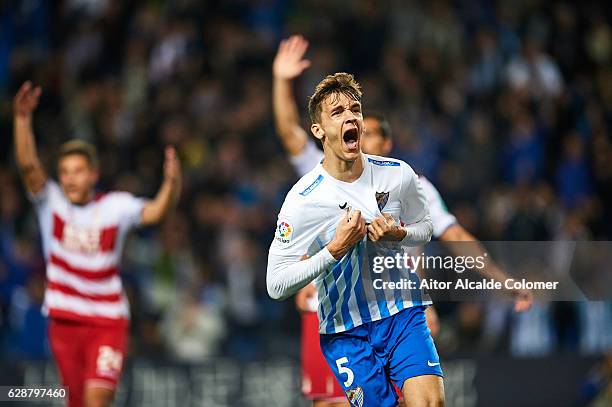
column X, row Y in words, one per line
column 156, row 209
column 448, row 230
column 288, row 65
column 32, row 173
column 457, row 233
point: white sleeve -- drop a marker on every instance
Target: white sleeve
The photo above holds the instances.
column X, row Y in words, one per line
column 296, row 232
column 414, row 212
column 50, row 192
column 307, row 159
column 441, row 218
column 287, row 275
column 130, row 208
column 48, row 198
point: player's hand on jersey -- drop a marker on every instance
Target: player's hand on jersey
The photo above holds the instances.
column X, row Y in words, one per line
column 522, row 300
column 26, row 99
column 172, row 166
column 385, row 228
column 350, row 230
column 304, row 297
column 289, row 63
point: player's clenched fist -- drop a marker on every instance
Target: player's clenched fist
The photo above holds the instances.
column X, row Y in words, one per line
column 26, row 100
column 385, row 228
column 350, row 230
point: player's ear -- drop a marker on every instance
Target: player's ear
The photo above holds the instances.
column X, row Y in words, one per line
column 95, row 175
column 317, row 130
column 387, row 146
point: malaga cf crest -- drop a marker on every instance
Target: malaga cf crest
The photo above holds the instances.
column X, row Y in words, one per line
column 355, row 396
column 381, row 199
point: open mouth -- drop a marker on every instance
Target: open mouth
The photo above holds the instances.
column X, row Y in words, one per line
column 351, row 138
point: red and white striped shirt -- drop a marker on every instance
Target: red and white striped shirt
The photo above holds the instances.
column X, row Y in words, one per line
column 83, row 247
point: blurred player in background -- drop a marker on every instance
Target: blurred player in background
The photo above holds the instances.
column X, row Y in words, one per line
column 370, row 340
column 318, row 382
column 83, row 235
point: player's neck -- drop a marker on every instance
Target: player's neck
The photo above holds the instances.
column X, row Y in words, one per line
column 346, row 171
column 91, row 196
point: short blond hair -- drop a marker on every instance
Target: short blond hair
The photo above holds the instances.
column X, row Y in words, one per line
column 80, row 147
column 338, row 83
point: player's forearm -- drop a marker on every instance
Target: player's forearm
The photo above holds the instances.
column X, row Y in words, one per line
column 156, row 210
column 285, row 109
column 418, row 233
column 284, row 278
column 26, row 154
column 25, row 146
column 286, row 117
column 471, row 247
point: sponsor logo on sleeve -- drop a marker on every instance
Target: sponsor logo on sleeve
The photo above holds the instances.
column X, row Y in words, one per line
column 312, row 186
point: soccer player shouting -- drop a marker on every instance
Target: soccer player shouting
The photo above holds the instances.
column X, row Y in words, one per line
column 83, row 236
column 289, row 63
column 369, row 341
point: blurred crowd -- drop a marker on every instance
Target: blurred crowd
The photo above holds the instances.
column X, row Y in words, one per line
column 505, row 106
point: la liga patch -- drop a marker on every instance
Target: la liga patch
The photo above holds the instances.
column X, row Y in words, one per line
column 284, row 232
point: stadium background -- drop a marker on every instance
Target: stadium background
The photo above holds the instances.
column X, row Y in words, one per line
column 505, row 106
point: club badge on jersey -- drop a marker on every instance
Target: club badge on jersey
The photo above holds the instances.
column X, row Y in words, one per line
column 381, row 199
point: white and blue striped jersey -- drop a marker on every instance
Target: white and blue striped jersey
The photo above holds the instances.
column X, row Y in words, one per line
column 441, row 218
column 307, row 223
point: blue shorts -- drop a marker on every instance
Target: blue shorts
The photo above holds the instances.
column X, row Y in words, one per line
column 368, row 358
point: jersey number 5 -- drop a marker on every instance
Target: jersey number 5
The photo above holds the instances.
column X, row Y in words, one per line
column 345, row 370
